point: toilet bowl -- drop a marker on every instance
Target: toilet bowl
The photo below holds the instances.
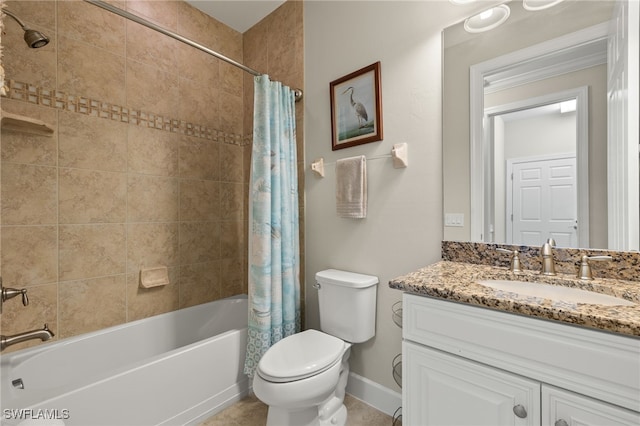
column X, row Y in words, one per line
column 303, row 377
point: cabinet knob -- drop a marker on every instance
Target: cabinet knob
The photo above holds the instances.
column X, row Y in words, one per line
column 521, row 412
column 561, row 422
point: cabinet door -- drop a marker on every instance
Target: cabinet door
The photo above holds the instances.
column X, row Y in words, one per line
column 444, row 390
column 564, row 408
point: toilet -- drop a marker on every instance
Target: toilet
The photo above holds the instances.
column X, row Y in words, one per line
column 303, row 377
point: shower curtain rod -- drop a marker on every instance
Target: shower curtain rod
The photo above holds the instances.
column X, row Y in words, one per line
column 148, row 24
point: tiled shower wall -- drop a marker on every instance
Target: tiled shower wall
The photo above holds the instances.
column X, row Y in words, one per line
column 147, row 165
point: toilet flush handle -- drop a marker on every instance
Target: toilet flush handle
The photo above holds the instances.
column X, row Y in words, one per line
column 317, row 286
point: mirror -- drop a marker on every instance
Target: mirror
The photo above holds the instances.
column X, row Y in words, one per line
column 517, row 170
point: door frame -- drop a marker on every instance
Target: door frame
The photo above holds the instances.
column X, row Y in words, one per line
column 477, row 118
column 581, row 94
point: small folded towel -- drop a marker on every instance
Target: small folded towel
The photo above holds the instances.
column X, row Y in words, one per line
column 351, row 187
column 154, row 277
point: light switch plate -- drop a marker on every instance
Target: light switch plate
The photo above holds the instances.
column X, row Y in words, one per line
column 454, row 219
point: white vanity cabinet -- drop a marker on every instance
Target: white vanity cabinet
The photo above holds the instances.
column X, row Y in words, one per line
column 466, row 365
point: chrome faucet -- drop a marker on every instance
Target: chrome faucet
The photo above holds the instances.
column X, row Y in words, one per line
column 43, row 334
column 546, row 253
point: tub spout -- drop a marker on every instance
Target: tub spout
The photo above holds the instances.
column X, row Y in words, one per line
column 42, row 334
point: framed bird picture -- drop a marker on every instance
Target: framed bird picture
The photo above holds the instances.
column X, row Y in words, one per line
column 356, row 108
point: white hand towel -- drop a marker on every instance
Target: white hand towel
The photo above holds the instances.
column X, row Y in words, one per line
column 351, row 187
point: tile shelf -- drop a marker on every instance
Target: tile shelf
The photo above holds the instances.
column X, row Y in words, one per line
column 21, row 123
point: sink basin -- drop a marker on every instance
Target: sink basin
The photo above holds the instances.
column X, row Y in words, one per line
column 555, row 292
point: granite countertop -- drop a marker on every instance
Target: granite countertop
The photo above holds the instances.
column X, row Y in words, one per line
column 456, row 281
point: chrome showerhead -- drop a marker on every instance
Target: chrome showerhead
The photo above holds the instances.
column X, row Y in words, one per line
column 35, row 39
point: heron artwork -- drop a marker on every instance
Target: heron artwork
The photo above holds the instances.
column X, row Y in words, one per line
column 358, row 108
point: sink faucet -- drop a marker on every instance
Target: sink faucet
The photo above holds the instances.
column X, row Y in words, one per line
column 546, row 253
column 42, row 334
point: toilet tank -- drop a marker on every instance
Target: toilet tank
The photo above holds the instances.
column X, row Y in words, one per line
column 347, row 303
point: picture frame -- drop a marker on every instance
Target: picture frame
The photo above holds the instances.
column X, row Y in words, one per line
column 356, row 108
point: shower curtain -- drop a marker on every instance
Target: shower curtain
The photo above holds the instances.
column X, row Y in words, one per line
column 274, row 250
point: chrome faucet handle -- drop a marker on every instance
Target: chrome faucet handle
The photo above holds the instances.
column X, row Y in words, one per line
column 584, row 272
column 515, row 259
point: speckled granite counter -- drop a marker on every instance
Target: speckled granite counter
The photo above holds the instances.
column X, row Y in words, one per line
column 457, row 281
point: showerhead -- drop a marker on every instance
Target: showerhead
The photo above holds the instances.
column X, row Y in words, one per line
column 35, row 39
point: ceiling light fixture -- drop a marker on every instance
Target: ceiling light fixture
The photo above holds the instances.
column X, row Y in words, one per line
column 534, row 5
column 462, row 2
column 487, row 20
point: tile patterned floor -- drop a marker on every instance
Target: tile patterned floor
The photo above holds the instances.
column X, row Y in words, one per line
column 252, row 412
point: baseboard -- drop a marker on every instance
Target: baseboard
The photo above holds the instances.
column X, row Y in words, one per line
column 379, row 397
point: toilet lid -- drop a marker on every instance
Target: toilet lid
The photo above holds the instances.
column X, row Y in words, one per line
column 300, row 355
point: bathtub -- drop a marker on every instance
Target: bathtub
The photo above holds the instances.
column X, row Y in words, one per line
column 172, row 369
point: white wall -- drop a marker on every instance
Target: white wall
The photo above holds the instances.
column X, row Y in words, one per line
column 403, row 230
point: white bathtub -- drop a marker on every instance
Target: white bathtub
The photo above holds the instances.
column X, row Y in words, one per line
column 172, row 369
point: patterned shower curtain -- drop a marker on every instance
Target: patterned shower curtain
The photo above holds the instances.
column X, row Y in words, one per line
column 274, row 249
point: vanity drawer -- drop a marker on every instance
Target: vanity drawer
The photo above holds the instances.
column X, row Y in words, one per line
column 603, row 365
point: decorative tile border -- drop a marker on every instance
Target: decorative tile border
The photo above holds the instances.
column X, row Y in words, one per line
column 625, row 265
column 82, row 105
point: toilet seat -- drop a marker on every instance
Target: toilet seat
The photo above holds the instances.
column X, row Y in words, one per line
column 300, row 356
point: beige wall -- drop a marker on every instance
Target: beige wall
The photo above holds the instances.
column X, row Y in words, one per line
column 147, row 164
column 403, row 229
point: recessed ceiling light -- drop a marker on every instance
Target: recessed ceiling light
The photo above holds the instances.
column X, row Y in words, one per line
column 462, row 2
column 487, row 20
column 534, row 5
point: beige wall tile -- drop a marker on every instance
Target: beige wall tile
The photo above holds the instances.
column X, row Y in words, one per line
column 198, row 66
column 198, row 26
column 199, row 200
column 199, row 283
column 146, row 302
column 84, row 70
column 152, row 199
column 151, row 244
column 199, row 158
column 90, row 305
column 152, row 48
column 199, row 242
column 231, row 201
column 164, row 13
column 231, row 79
column 42, row 309
column 233, row 271
column 231, row 239
column 199, row 103
column 231, row 163
column 151, row 90
column 29, row 255
column 88, row 251
column 29, row 194
column 88, row 196
column 90, row 24
column 152, row 151
column 21, row 147
column 37, row 13
column 231, row 111
column 106, row 139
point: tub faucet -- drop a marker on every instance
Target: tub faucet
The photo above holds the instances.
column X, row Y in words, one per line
column 43, row 334
column 546, row 253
